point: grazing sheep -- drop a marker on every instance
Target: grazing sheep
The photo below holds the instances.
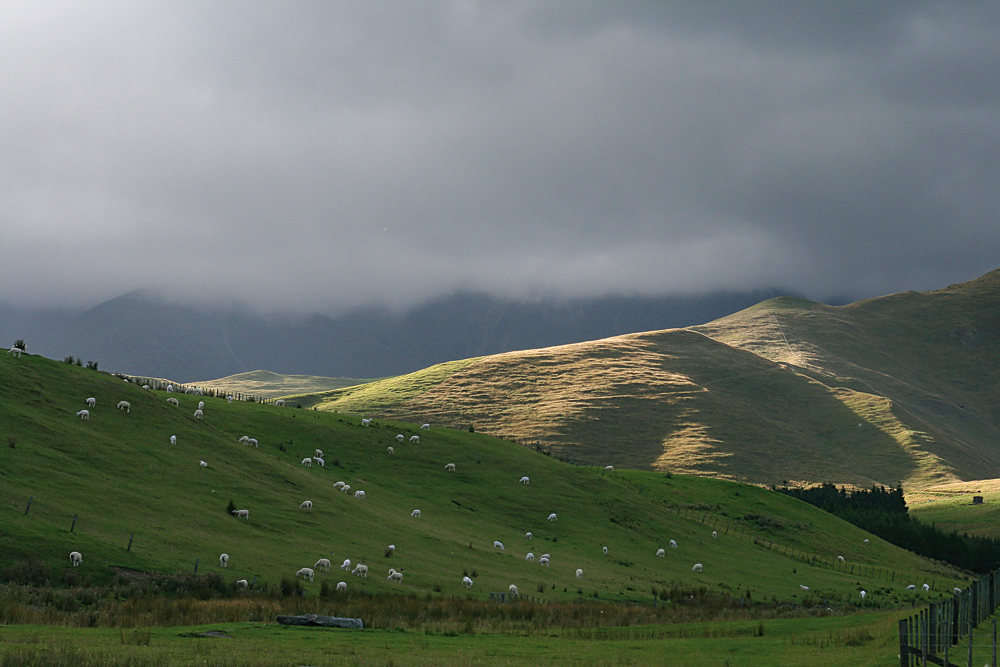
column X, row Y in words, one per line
column 125, row 405
column 341, row 586
column 318, row 453
column 805, row 588
column 414, row 439
column 927, row 587
column 16, row 351
column 392, row 452
column 863, row 594
column 202, row 464
column 513, row 590
column 91, row 402
column 201, row 405
column 415, row 514
column 426, row 427
column 527, row 535
column 323, row 564
column 170, row 387
column 579, row 573
column 359, row 494
column 319, row 461
column 243, row 583
column 338, row 485
column 609, row 468
column 280, row 402
column 84, row 414
column 346, row 565
column 696, row 568
column 347, row 488
column 530, row 557
column 391, row 549
column 75, row 557
column 544, row 560
column 360, row 570
column 307, row 462
column 242, row 514
column 198, row 414
column 715, row 535
column 174, row 402
column 840, row 558
column 524, row 480
column 252, row 441
column 224, row 560
column 673, row 544
column 244, row 440
column 450, row 467
column 911, row 587
column 306, row 505
column 956, row 591
column 229, row 398
column 552, row 517
column 467, row 582
column 605, row 550
column 366, row 422
column 661, row 553
column 306, row 573
column 173, row 440
column 864, row 541
column 400, row 438
column 498, row 545
column 395, row 577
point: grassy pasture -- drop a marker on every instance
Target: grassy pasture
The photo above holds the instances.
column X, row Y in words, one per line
column 950, row 508
column 275, row 385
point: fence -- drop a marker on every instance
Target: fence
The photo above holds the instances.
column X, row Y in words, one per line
column 928, row 636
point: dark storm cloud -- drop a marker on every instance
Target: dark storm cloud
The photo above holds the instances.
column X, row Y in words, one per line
column 327, row 154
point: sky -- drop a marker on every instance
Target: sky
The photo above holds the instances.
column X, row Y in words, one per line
column 325, row 155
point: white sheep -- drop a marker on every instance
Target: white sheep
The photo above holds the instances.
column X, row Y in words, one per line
column 347, row 488
column 16, row 351
column 956, row 591
column 450, row 467
column 392, row 452
column 173, row 440
column 552, row 517
column 366, row 422
column 252, row 441
column 527, row 535
column 339, row 485
column 697, row 567
column 395, row 576
column 927, row 587
column 609, row 468
column 415, row 514
column 224, row 560
column 244, row 439
column 605, row 550
column 840, row 558
column 524, row 480
column 170, row 387
column 715, row 535
column 203, row 464
column 323, row 564
column 229, row 398
column 513, row 590
column 306, row 505
column 319, row 461
column 84, row 414
column 426, row 427
column 498, row 545
column 173, row 401
column 198, row 414
column 400, row 438
column 673, row 544
column 318, row 453
column 805, row 588
column 864, row 541
column 661, row 553
column 359, row 494
column 544, row 560
column 467, row 582
column 201, row 405
column 911, row 587
column 360, row 570
column 280, row 402
column 75, row 557
column 91, row 402
column 341, row 586
column 346, row 565
column 391, row 549
column 307, row 462
column 863, row 594
column 243, row 583
column 125, row 405
column 579, row 573
column 242, row 514
column 306, row 573
column 530, row 557
column 415, row 439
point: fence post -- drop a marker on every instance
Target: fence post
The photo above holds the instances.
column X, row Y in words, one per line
column 904, row 644
column 196, row 565
column 30, row 500
column 130, row 538
column 74, row 523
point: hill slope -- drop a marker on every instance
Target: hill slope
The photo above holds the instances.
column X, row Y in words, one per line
column 903, row 388
column 114, row 489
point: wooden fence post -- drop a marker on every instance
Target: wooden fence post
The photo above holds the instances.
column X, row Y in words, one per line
column 30, row 500
column 904, row 644
column 130, row 538
column 74, row 523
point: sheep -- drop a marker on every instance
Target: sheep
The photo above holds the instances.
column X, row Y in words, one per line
column 306, row 573
column 280, row 402
column 319, row 461
column 609, row 468
column 524, row 480
column 174, row 402
column 715, row 535
column 224, row 560
column 84, row 414
column 323, row 564
column 125, row 405
column 864, row 541
column 450, row 467
column 91, row 402
column 661, row 553
column 318, row 453
column 605, row 550
column 146, row 387
column 911, row 587
column 360, row 570
column 242, row 514
column 805, row 588
column 415, row 439
column 338, row 485
column 391, row 549
column 863, row 594
column 359, row 494
column 513, row 590
column 956, row 591
column 306, row 505
column 415, row 514
column 243, row 583
column 347, row 488
column 543, row 561
column 244, row 439
column 426, row 427
column 170, row 387
column 840, row 559
column 395, row 577
column 927, row 587
column 75, row 558
column 467, row 582
column 346, row 565
column 400, row 438
column 579, row 573
column 552, row 517
column 392, row 452
column 530, row 557
column 201, row 405
column 252, row 441
column 198, row 414
column 16, row 351
column 229, row 399
column 697, row 567
column 341, row 586
column 173, row 440
column 307, row 462
column 203, row 464
column 498, row 545
column 366, row 422
column 527, row 535
column 673, row 544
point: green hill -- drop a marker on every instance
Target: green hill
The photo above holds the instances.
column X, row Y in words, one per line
column 116, row 490
column 274, row 385
column 900, row 389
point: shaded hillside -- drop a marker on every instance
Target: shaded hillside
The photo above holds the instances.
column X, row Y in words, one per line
column 274, row 385
column 901, row 389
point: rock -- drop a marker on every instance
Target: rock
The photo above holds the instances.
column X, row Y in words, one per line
column 321, row 621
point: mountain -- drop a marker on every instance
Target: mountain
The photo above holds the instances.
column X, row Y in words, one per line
column 143, row 334
column 899, row 389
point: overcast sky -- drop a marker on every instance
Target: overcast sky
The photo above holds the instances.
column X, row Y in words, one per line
column 327, row 154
